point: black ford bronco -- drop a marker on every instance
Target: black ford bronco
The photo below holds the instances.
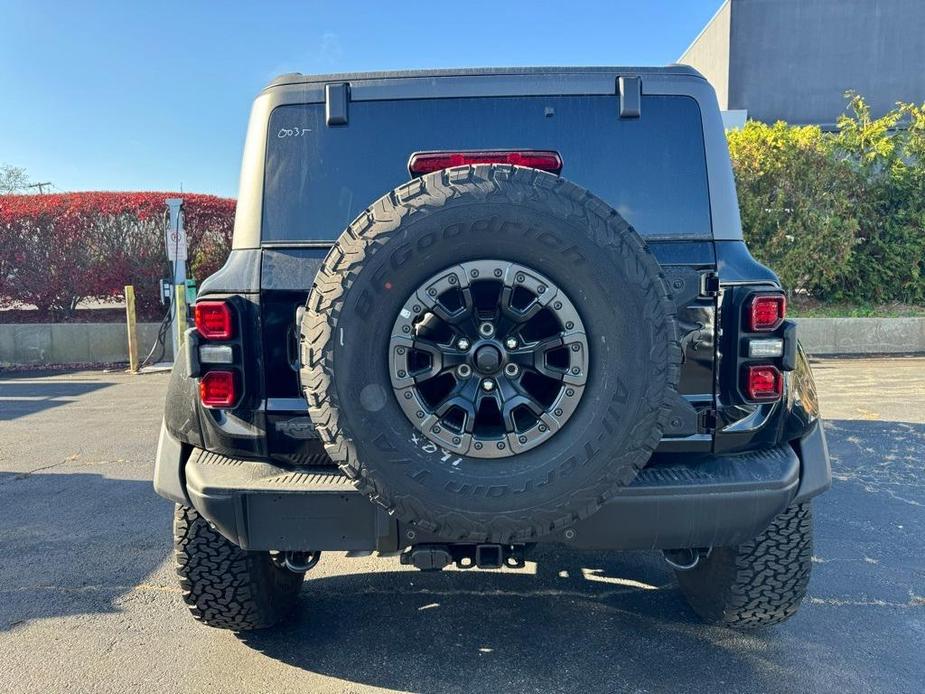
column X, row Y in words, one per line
column 468, row 312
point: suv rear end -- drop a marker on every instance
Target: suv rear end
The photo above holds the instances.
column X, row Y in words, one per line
column 251, row 424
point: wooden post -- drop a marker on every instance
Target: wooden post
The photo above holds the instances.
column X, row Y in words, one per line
column 179, row 294
column 132, row 328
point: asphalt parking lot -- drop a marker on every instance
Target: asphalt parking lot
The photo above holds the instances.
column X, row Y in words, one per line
column 88, row 600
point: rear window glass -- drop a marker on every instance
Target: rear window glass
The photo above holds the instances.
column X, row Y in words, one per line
column 652, row 169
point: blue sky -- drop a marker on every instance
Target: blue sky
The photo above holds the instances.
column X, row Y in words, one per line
column 152, row 95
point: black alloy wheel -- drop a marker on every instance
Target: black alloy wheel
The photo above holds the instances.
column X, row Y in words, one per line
column 488, row 358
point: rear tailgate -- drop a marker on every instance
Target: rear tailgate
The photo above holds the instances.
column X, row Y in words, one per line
column 689, row 272
column 651, row 168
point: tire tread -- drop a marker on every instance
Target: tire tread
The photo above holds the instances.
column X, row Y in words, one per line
column 760, row 582
column 380, row 222
column 225, row 586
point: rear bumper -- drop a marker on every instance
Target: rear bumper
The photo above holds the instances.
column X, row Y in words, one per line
column 697, row 501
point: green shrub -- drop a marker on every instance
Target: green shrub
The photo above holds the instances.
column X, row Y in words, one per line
column 840, row 216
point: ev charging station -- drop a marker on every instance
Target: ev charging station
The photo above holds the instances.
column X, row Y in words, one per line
column 175, row 239
column 177, row 291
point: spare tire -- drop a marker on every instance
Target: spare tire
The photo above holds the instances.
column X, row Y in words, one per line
column 490, row 352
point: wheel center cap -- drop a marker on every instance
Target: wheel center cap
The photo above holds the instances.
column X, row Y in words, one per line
column 487, row 359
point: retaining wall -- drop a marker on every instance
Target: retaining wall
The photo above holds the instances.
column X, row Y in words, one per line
column 70, row 343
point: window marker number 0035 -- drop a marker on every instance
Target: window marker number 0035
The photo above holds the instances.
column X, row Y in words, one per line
column 283, row 133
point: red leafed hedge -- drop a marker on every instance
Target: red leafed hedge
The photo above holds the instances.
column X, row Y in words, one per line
column 58, row 249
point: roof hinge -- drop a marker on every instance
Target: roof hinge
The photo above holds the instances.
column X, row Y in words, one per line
column 336, row 98
column 630, row 91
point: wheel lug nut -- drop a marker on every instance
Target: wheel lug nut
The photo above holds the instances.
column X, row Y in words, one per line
column 511, row 343
column 486, row 330
column 463, row 344
column 464, row 370
column 488, row 385
column 511, row 369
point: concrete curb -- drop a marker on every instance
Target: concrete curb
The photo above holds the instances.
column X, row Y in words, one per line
column 71, row 343
column 862, row 335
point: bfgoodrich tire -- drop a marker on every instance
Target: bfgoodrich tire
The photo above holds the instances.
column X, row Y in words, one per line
column 225, row 586
column 758, row 583
column 522, row 223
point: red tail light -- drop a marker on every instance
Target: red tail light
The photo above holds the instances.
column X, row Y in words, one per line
column 213, row 320
column 763, row 383
column 217, row 389
column 765, row 312
column 426, row 162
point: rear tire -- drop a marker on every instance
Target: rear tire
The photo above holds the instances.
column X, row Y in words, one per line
column 758, row 583
column 473, row 225
column 225, row 586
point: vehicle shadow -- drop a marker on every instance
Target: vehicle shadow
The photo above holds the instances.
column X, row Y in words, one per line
column 582, row 622
column 75, row 543
column 595, row 621
column 884, row 458
column 18, row 399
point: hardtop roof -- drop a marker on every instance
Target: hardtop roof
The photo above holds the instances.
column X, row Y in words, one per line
column 299, row 78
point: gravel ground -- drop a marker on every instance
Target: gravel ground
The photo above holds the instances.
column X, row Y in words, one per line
column 88, row 600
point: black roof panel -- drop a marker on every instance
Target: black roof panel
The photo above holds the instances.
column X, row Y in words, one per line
column 299, row 78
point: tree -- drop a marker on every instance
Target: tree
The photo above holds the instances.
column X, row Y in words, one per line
column 13, row 179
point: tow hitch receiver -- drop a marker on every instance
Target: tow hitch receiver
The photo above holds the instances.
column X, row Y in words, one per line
column 434, row 557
